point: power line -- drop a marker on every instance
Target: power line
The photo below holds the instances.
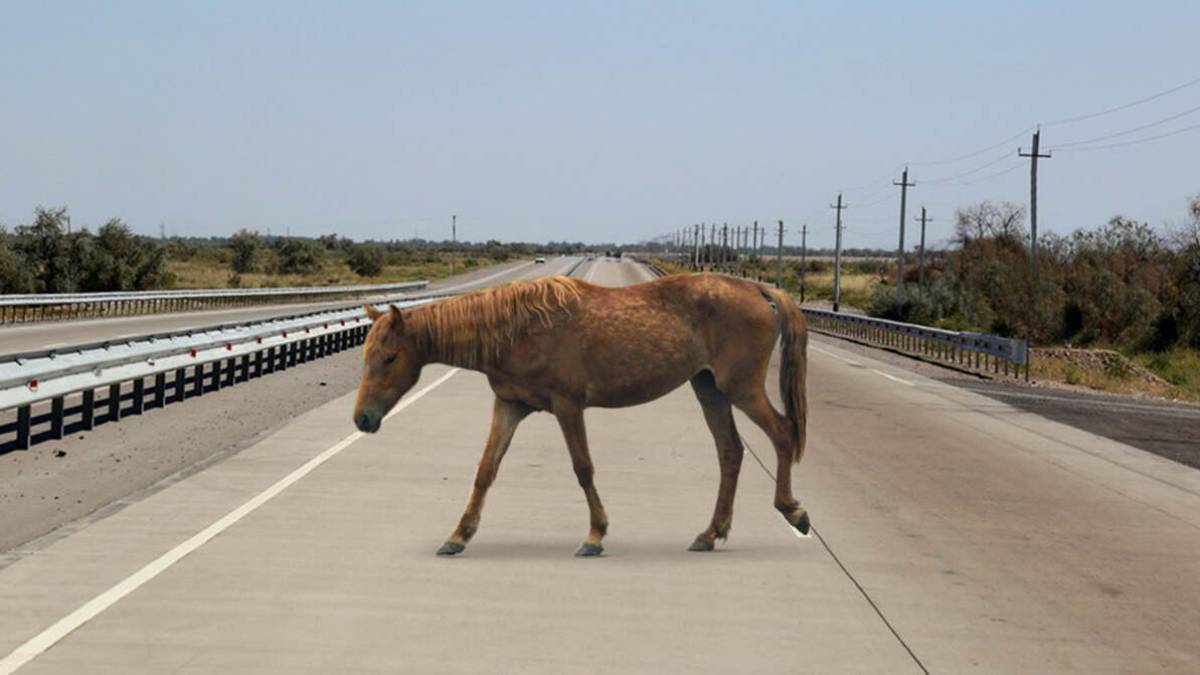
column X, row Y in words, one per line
column 1126, row 132
column 1133, row 142
column 948, row 179
column 977, row 153
column 1124, row 106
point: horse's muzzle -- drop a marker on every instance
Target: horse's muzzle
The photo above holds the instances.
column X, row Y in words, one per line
column 366, row 422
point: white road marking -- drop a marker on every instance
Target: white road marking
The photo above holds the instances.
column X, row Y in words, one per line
column 477, row 282
column 893, row 378
column 591, row 270
column 39, row 643
column 852, row 362
column 839, row 358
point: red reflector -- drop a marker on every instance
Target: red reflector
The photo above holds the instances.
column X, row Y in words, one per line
column 33, row 384
column 259, row 339
column 192, row 351
column 285, row 333
column 228, row 346
column 326, row 325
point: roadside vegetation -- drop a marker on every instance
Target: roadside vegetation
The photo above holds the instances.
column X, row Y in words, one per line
column 1114, row 308
column 47, row 256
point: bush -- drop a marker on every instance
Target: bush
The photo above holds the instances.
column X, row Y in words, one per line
column 297, row 256
column 245, row 245
column 366, row 260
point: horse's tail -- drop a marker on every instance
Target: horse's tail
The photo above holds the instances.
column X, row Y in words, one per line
column 793, row 370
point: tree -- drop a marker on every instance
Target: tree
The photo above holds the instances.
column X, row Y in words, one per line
column 366, row 260
column 297, row 256
column 988, row 219
column 245, row 245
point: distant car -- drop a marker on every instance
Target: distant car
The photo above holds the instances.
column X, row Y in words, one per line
column 539, row 259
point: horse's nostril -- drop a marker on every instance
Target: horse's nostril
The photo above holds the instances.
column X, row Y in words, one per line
column 364, row 423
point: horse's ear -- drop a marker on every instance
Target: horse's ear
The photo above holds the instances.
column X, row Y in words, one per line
column 372, row 313
column 397, row 318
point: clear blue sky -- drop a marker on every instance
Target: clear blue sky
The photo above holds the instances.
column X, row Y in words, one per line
column 594, row 121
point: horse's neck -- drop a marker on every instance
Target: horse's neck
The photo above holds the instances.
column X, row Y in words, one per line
column 453, row 343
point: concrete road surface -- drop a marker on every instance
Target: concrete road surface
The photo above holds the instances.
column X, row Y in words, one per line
column 954, row 533
column 51, row 334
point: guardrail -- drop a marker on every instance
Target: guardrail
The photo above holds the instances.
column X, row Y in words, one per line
column 979, row 351
column 55, row 392
column 29, row 308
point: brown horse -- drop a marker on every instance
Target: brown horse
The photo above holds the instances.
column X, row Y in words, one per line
column 561, row 345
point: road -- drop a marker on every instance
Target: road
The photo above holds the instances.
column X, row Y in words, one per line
column 51, row 334
column 954, row 532
column 58, row 482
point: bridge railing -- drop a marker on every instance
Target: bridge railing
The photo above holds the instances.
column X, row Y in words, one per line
column 62, row 391
column 28, row 308
column 976, row 351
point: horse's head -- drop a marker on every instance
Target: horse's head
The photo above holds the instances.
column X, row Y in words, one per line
column 391, row 367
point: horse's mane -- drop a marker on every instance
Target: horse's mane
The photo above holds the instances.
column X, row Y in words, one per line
column 472, row 330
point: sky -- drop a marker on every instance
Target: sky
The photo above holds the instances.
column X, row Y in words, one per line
column 592, row 121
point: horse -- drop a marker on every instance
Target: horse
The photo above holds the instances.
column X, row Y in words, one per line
column 561, row 345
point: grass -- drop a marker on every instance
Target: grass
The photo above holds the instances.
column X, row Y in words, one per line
column 1179, row 366
column 204, row 273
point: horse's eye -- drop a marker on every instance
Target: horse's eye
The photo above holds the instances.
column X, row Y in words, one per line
column 389, row 360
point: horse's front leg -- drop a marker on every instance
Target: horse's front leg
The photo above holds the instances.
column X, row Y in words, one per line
column 506, row 415
column 570, row 419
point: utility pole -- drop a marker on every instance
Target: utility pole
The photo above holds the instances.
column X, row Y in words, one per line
column 696, row 229
column 453, row 240
column 921, row 252
column 725, row 247
column 803, row 256
column 712, row 245
column 741, row 249
column 758, row 253
column 1034, row 155
column 903, row 185
column 837, row 255
column 779, row 259
column 162, row 231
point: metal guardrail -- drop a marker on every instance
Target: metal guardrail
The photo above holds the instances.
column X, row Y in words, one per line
column 61, row 391
column 979, row 351
column 28, row 308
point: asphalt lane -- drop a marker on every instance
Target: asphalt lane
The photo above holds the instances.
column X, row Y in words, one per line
column 48, row 335
column 954, row 532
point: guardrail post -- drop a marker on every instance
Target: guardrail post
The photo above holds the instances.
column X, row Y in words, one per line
column 139, row 396
column 87, row 410
column 160, row 390
column 198, row 380
column 178, row 384
column 24, row 436
column 114, row 403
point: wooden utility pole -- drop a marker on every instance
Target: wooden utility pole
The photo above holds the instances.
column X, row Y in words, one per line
column 837, row 255
column 758, row 252
column 696, row 229
column 1034, row 155
column 803, row 256
column 725, row 247
column 921, row 252
column 453, row 241
column 779, row 259
column 903, row 185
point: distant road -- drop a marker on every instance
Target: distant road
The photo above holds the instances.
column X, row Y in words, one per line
column 48, row 335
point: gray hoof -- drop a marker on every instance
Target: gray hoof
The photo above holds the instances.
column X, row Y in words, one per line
column 451, row 548
column 588, row 549
column 802, row 523
column 701, row 544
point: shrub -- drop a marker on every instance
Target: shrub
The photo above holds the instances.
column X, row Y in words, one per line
column 245, row 245
column 366, row 260
column 297, row 256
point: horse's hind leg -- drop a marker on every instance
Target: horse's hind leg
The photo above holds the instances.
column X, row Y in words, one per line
column 505, row 417
column 753, row 401
column 718, row 413
column 570, row 419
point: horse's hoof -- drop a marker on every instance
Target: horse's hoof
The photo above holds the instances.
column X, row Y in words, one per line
column 587, row 549
column 451, row 548
column 701, row 544
column 802, row 524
